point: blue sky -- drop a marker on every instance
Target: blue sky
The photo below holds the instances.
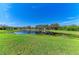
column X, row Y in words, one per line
column 24, row 14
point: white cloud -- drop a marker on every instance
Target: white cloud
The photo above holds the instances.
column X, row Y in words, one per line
column 72, row 20
column 4, row 8
column 5, row 16
column 70, row 17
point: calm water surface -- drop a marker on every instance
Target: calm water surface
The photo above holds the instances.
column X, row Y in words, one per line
column 30, row 32
column 25, row 32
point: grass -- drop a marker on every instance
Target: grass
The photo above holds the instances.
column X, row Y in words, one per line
column 66, row 32
column 31, row 44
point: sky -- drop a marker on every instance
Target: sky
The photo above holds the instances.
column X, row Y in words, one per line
column 25, row 14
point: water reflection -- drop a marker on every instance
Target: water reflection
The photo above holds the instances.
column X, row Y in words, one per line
column 25, row 32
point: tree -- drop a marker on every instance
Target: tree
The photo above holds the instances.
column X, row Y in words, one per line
column 54, row 26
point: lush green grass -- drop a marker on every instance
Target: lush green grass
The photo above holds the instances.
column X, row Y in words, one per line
column 38, row 44
column 7, row 31
column 66, row 32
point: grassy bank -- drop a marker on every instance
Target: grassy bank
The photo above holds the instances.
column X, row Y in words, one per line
column 38, row 44
column 65, row 32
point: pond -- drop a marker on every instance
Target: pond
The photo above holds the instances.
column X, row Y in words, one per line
column 27, row 32
column 33, row 32
column 37, row 32
column 24, row 32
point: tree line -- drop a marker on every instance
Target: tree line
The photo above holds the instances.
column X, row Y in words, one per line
column 55, row 26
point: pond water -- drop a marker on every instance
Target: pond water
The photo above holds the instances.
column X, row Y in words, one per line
column 32, row 32
column 24, row 32
column 27, row 32
column 36, row 32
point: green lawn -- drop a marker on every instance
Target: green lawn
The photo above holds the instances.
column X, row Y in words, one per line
column 66, row 32
column 38, row 44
